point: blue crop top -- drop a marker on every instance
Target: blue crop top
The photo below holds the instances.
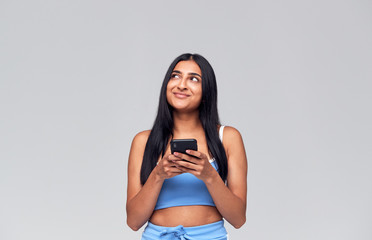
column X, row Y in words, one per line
column 185, row 189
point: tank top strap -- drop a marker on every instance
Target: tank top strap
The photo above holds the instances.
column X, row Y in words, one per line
column 221, row 132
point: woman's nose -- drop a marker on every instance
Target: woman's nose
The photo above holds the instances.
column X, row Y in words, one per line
column 182, row 83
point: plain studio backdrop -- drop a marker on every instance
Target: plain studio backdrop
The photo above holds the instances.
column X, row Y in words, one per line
column 78, row 79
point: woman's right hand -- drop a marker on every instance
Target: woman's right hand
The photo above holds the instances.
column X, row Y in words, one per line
column 166, row 168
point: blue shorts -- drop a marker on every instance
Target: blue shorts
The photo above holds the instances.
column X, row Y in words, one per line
column 211, row 231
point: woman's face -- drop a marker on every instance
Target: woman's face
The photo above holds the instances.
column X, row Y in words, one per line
column 184, row 89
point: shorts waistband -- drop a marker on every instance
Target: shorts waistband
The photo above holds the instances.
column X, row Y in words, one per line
column 207, row 227
column 215, row 230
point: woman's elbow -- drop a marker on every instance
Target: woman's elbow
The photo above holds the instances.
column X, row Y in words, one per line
column 240, row 223
column 132, row 225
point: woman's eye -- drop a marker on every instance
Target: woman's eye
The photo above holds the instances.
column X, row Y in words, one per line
column 174, row 76
column 194, row 79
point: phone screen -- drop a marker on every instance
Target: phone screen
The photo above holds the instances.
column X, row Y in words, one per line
column 181, row 145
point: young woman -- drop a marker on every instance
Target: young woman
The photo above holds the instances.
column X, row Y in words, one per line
column 187, row 199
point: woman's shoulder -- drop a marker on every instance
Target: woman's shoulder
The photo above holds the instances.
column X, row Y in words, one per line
column 231, row 133
column 231, row 138
column 143, row 134
column 140, row 139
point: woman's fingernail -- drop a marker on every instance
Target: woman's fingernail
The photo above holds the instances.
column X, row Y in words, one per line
column 188, row 151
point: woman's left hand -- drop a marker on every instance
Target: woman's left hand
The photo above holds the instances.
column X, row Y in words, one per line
column 198, row 164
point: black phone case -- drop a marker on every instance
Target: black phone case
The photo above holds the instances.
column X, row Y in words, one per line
column 181, row 145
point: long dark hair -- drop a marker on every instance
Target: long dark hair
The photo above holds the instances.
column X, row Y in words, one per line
column 162, row 129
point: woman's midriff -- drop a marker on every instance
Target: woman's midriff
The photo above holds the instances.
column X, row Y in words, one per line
column 187, row 216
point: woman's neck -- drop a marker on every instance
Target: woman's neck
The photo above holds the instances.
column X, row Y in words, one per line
column 186, row 122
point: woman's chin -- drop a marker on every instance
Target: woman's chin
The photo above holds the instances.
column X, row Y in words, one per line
column 183, row 109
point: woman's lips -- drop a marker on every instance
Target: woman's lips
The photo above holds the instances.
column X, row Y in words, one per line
column 181, row 95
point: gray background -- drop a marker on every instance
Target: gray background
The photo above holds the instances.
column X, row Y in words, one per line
column 80, row 78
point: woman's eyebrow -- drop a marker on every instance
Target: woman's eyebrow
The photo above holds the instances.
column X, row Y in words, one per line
column 194, row 74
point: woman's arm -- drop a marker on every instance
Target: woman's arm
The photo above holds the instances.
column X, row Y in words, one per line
column 230, row 200
column 141, row 200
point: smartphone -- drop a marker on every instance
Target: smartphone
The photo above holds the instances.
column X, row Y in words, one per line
column 181, row 145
